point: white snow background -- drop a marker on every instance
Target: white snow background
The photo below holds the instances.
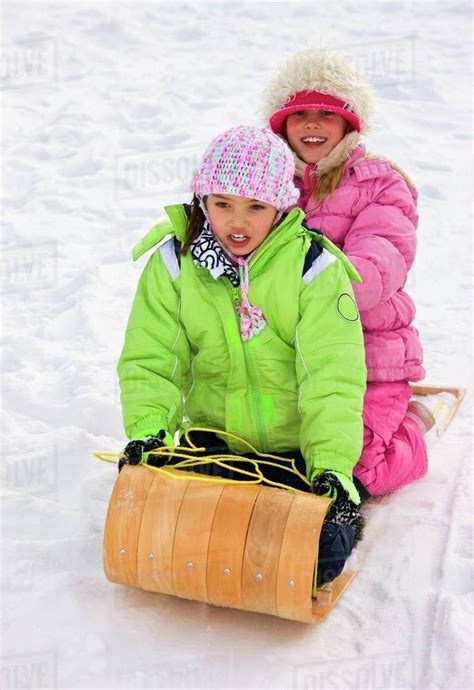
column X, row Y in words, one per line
column 106, row 109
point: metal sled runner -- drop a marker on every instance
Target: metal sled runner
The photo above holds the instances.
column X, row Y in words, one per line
column 243, row 546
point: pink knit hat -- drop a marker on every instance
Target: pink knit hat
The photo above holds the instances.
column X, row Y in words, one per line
column 251, row 162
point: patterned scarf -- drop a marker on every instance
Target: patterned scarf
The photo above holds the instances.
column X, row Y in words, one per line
column 208, row 253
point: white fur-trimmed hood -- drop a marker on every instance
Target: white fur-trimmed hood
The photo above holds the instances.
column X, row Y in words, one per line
column 320, row 70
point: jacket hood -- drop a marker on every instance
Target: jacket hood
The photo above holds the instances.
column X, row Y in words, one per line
column 351, row 151
column 320, row 70
column 165, row 230
column 173, row 226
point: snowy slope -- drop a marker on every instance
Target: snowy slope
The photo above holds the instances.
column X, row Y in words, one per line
column 106, row 107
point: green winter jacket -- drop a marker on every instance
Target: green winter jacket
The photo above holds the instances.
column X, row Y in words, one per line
column 299, row 384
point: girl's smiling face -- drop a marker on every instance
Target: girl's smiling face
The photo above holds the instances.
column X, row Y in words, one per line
column 312, row 134
column 239, row 223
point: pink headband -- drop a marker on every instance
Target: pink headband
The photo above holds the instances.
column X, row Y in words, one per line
column 313, row 100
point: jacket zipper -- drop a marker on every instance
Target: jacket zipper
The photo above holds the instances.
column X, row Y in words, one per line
column 260, row 426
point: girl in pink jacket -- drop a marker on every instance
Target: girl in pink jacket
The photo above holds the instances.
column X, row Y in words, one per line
column 367, row 206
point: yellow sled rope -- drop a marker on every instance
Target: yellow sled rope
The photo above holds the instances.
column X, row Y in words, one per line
column 188, row 453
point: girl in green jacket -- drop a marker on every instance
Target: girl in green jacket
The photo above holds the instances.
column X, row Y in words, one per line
column 245, row 322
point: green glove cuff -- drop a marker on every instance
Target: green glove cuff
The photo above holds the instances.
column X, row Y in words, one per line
column 346, row 483
column 168, row 439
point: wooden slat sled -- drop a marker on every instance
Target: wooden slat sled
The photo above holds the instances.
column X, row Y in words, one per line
column 245, row 546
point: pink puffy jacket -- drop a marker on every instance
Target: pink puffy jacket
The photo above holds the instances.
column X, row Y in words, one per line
column 372, row 217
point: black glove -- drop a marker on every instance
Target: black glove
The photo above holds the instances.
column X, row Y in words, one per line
column 342, row 511
column 134, row 451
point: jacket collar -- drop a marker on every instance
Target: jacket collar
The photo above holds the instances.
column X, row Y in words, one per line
column 280, row 235
column 165, row 230
column 175, row 226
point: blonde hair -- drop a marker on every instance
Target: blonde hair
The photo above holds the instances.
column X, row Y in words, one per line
column 328, row 183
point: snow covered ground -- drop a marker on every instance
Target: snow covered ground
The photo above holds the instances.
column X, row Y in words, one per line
column 106, row 108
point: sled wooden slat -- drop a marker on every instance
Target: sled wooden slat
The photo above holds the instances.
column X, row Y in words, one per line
column 122, row 526
column 262, row 550
column 298, row 555
column 227, row 544
column 191, row 540
column 155, row 547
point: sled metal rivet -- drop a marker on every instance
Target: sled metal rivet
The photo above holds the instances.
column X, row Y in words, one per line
column 122, row 552
column 259, row 577
column 291, row 583
column 151, row 556
column 190, row 564
column 226, row 571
